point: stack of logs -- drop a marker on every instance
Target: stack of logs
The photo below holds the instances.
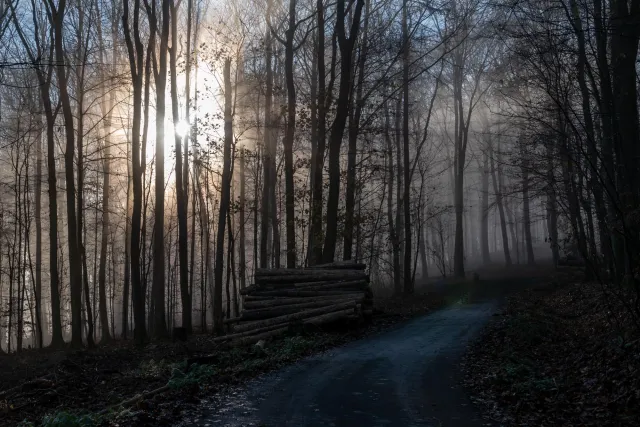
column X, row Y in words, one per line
column 284, row 298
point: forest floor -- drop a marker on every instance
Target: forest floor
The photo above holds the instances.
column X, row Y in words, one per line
column 558, row 355
column 89, row 387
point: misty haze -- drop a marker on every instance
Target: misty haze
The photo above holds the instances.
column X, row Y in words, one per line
column 199, row 197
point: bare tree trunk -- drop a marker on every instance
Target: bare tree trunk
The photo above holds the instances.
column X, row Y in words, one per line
column 503, row 223
column 224, row 199
column 484, row 210
column 38, row 220
column 625, row 32
column 75, row 272
column 136, row 63
column 594, row 185
column 607, row 170
column 107, row 107
column 318, row 161
column 268, row 131
column 181, row 201
column 408, row 250
column 461, row 130
column 354, row 130
column 242, row 251
column 395, row 242
column 525, row 210
column 289, row 136
column 346, row 45
column 158, row 289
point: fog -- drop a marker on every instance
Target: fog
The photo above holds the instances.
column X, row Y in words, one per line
column 188, row 144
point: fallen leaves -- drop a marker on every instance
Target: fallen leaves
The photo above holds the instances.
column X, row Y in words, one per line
column 556, row 358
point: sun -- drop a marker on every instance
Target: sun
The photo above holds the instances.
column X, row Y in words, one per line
column 182, row 128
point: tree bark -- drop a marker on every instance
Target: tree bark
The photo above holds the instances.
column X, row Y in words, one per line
column 625, row 33
column 318, row 160
column 408, row 250
column 526, row 216
column 346, row 45
column 158, row 289
column 503, row 222
column 224, row 199
column 484, row 210
column 355, row 114
column 107, row 107
column 267, row 154
column 242, row 245
column 136, row 64
column 75, row 272
column 289, row 136
column 181, row 200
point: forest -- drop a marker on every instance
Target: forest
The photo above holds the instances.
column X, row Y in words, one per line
column 156, row 153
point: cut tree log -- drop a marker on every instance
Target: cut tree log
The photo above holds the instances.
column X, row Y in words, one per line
column 273, row 284
column 281, row 272
column 293, row 276
column 328, row 283
column 265, row 311
column 328, row 318
column 276, row 302
column 293, row 317
column 347, row 265
column 252, row 339
column 256, row 298
column 297, row 293
column 248, row 333
column 281, row 310
column 356, row 285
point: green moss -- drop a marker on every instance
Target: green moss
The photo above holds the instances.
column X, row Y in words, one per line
column 69, row 419
column 195, row 376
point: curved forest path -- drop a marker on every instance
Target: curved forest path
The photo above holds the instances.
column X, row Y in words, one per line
column 407, row 376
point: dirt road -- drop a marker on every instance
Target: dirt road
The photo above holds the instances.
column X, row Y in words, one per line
column 405, row 377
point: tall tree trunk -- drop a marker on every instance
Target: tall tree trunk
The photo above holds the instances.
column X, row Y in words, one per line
column 503, row 223
column 56, row 321
column 399, row 281
column 159, row 274
column 127, row 249
column 346, row 45
column 224, row 199
column 395, row 242
column 242, row 249
column 625, row 32
column 38, row 220
column 75, row 272
column 607, row 169
column 136, row 63
column 107, row 107
column 526, row 215
column 355, row 114
column 461, row 130
column 181, row 200
column 318, row 161
column 268, row 131
column 288, row 138
column 592, row 150
column 484, row 210
column 408, row 250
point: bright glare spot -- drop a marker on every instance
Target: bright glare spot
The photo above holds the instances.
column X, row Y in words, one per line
column 182, row 128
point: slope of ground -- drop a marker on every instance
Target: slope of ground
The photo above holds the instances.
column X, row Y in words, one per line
column 406, row 376
column 63, row 385
column 559, row 355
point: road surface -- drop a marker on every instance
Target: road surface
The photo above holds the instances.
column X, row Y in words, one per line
column 405, row 377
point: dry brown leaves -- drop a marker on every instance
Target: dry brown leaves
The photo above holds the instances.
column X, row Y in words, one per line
column 556, row 357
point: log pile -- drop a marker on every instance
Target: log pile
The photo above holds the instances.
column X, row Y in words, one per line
column 285, row 298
